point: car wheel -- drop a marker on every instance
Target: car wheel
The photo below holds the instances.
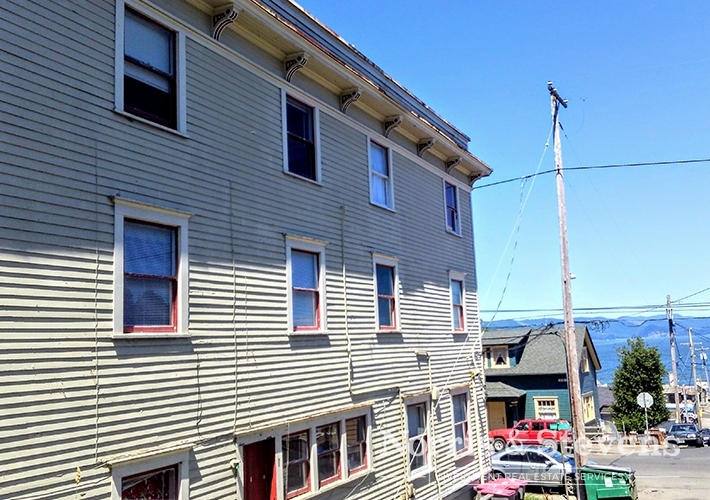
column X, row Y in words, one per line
column 496, row 474
column 672, row 445
column 570, row 486
column 498, row 444
column 550, row 443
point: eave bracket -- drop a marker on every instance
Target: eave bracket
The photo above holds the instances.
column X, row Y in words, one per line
column 293, row 63
column 222, row 17
column 349, row 96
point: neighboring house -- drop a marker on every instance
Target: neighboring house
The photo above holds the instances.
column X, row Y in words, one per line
column 606, row 402
column 526, row 375
column 236, row 262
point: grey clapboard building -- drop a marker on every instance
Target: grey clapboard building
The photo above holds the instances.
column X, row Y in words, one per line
column 236, row 261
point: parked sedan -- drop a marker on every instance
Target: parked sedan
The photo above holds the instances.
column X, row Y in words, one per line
column 684, row 434
column 538, row 465
column 705, row 433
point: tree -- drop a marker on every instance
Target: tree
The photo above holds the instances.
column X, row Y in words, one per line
column 640, row 370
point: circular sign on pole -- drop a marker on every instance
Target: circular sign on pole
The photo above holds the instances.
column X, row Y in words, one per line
column 645, row 400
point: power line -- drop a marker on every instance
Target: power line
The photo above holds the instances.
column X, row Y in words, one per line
column 597, row 167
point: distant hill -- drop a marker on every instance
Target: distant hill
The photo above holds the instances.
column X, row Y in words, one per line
column 609, row 334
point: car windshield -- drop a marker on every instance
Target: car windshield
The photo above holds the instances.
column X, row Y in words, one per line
column 683, row 428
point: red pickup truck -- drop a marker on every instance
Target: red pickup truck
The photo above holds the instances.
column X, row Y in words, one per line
column 544, row 432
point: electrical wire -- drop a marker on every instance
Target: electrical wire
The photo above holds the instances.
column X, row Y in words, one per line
column 597, row 167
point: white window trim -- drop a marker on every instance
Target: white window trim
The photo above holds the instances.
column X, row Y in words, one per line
column 466, row 451
column 492, row 350
column 123, row 209
column 546, row 398
column 180, row 64
column 310, row 427
column 446, row 208
column 392, row 262
column 306, row 245
column 390, row 178
column 458, row 276
column 130, row 468
column 431, row 448
column 316, row 135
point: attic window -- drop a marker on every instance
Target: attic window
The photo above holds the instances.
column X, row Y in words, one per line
column 497, row 357
column 584, row 362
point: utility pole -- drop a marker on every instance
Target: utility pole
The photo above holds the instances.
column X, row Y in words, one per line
column 671, row 333
column 704, row 357
column 692, row 362
column 575, row 392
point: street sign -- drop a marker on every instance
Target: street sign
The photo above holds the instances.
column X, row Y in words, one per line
column 645, row 400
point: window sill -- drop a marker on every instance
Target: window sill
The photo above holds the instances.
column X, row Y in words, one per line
column 396, row 331
column 149, row 335
column 419, row 473
column 306, row 333
column 383, row 207
column 135, row 118
column 306, row 179
column 454, row 233
column 459, row 332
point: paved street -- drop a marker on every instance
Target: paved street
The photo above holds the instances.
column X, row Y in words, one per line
column 682, row 474
column 679, row 475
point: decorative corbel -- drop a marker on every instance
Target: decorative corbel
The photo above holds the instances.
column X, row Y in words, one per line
column 293, row 63
column 473, row 178
column 223, row 16
column 391, row 123
column 424, row 145
column 451, row 163
column 349, row 96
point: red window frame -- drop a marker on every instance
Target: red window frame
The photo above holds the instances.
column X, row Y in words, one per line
column 172, row 278
column 391, row 299
column 457, row 308
column 360, row 444
column 147, row 483
column 331, row 454
column 314, row 291
column 299, row 462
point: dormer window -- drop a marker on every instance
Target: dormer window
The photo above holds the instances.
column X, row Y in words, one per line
column 497, row 357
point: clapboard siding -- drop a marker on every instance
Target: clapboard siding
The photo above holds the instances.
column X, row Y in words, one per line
column 76, row 394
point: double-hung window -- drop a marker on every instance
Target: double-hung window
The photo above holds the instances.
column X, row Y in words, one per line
column 458, row 309
column 300, row 138
column 328, row 446
column 356, row 438
column 386, row 287
column 451, row 198
column 459, row 404
column 306, row 283
column 150, row 269
column 295, row 449
column 381, row 192
column 418, row 434
column 149, row 69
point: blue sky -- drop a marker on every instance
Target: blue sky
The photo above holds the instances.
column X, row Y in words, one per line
column 636, row 75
